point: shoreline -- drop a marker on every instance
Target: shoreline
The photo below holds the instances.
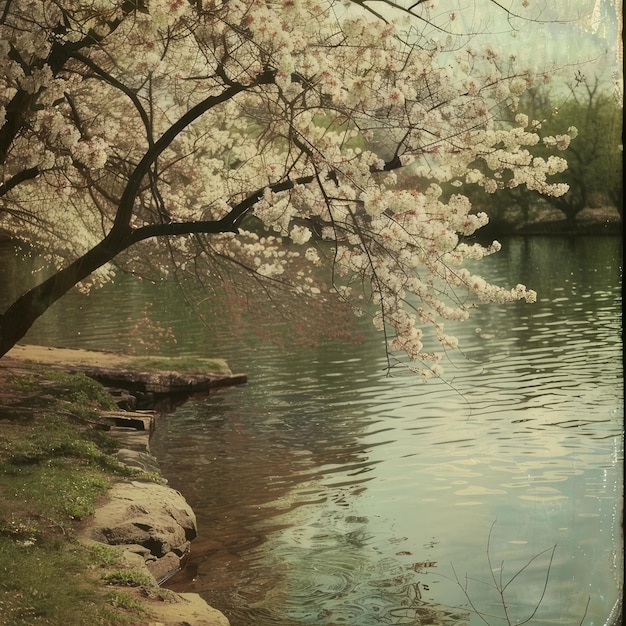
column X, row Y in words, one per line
column 153, row 525
column 149, row 523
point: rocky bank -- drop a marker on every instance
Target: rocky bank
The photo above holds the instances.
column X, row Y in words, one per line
column 150, row 522
column 154, row 525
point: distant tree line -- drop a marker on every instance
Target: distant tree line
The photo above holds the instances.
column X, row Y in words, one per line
column 594, row 156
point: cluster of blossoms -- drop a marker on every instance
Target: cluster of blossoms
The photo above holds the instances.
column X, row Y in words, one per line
column 273, row 132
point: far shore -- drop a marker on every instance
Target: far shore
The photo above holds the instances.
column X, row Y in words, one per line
column 591, row 221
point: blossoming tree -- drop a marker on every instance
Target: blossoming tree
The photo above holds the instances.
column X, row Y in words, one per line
column 262, row 135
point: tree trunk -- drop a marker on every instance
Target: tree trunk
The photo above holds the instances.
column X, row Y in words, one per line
column 23, row 313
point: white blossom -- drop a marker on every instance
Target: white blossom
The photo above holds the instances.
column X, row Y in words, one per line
column 300, row 234
column 310, row 122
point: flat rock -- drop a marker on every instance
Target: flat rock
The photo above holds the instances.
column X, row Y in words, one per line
column 176, row 609
column 149, row 515
column 138, row 459
column 165, row 567
column 187, row 609
column 160, row 382
column 142, row 374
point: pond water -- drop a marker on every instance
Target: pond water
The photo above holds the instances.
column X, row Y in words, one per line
column 330, row 493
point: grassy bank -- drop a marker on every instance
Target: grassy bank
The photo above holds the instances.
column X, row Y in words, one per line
column 55, row 463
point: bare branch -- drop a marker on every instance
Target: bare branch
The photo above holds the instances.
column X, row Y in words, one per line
column 20, row 177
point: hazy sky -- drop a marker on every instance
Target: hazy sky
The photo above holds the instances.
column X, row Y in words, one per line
column 566, row 35
column 567, row 32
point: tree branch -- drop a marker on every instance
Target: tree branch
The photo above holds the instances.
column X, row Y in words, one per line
column 229, row 223
column 106, row 77
column 21, row 103
column 20, row 177
column 125, row 209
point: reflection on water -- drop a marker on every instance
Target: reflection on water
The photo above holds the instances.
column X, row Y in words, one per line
column 328, row 493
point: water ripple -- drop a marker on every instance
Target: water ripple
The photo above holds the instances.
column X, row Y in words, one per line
column 327, row 493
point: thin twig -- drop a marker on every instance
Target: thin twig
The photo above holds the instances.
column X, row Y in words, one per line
column 545, row 584
column 582, row 619
column 464, row 589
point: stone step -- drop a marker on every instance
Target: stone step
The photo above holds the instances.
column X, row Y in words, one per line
column 136, row 420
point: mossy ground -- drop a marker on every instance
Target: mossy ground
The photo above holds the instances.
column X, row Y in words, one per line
column 55, row 463
column 184, row 365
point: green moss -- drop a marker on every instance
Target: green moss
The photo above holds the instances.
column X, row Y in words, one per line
column 48, row 582
column 120, row 599
column 55, row 464
column 71, row 389
column 104, row 556
column 128, row 578
column 58, row 438
column 185, row 365
column 62, row 491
